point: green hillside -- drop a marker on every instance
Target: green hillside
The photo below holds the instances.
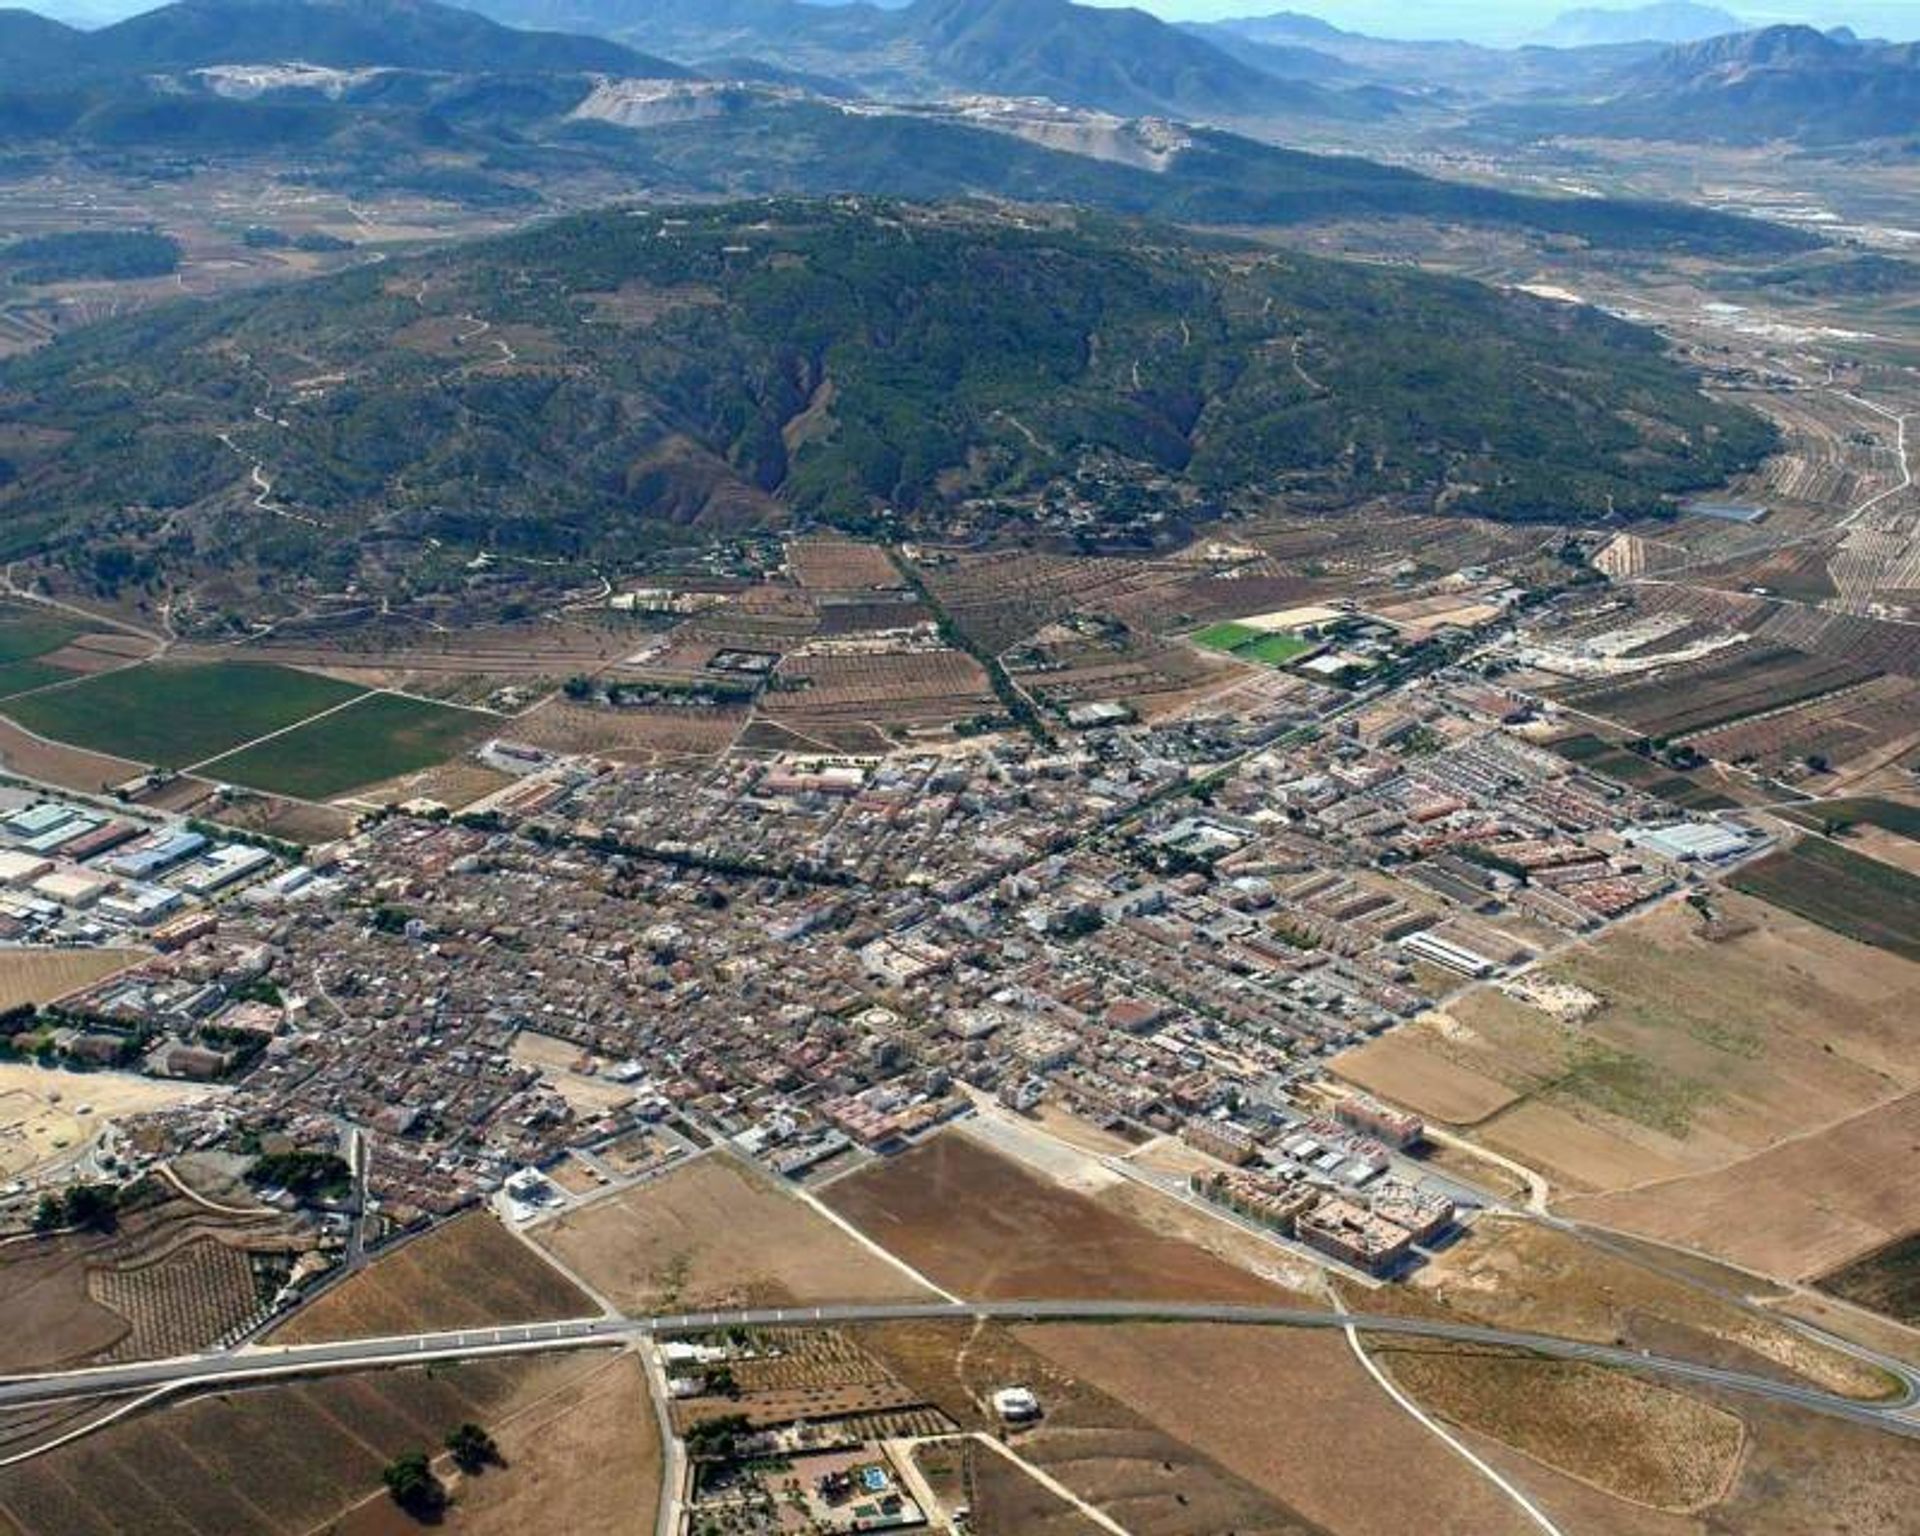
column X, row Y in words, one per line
column 590, row 385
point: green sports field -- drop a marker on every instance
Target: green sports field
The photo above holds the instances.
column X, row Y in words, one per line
column 379, row 737
column 178, row 714
column 1226, row 637
column 1251, row 644
column 1276, row 650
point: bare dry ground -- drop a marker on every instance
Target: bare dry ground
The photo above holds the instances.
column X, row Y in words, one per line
column 470, row 1272
column 1007, row 1500
column 42, row 975
column 1807, row 1475
column 1831, row 1196
column 584, row 1460
column 984, row 1226
column 1093, row 1441
column 560, row 1062
column 1643, row 1443
column 715, row 1232
column 1755, row 1036
column 51, row 762
column 1407, row 1066
column 48, row 1115
column 265, row 1461
column 1292, row 1414
column 1519, row 1274
column 1799, row 1475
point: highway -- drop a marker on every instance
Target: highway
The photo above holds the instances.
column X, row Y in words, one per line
column 265, row 1362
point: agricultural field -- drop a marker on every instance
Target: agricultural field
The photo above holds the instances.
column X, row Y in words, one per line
column 194, row 1294
column 288, row 1460
column 1842, row 890
column 379, row 736
column 831, row 564
column 467, row 1273
column 44, row 975
column 1681, row 1046
column 459, row 659
column 1004, row 1498
column 903, row 688
column 715, row 1232
column 1690, row 791
column 583, row 1458
column 1832, row 1195
column 52, row 762
column 982, row 1225
column 179, row 715
column 1886, row 1280
column 1716, row 692
column 629, row 734
column 1093, row 1440
column 27, row 637
column 810, row 1374
column 173, row 1277
column 1890, row 815
column 1290, row 1415
column 1001, row 597
column 1872, row 723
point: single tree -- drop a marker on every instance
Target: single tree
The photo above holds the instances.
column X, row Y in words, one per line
column 472, row 1447
column 411, row 1482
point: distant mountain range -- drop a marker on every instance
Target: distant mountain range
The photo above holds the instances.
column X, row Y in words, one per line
column 1778, row 83
column 340, row 34
column 1667, row 21
column 1121, row 61
column 1287, row 42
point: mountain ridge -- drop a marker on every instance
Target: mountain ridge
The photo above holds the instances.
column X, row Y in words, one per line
column 345, row 34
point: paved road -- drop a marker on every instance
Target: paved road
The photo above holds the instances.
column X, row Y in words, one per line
column 265, row 1362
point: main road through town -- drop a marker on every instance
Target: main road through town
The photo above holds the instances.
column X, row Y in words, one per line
column 265, row 1362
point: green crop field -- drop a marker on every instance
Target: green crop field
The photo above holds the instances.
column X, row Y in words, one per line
column 176, row 715
column 1892, row 815
column 1276, row 650
column 27, row 634
column 1842, row 890
column 381, row 737
column 1226, row 637
column 20, row 676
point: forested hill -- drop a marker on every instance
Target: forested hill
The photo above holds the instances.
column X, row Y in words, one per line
column 585, row 385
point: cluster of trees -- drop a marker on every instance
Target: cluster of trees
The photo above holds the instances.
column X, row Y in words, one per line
column 718, row 1439
column 94, row 1207
column 412, row 1483
column 98, row 253
column 305, row 1174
